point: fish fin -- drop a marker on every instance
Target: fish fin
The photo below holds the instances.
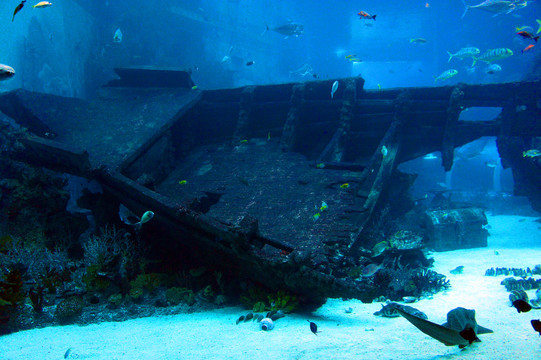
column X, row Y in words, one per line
column 264, row 31
column 450, row 56
column 447, row 336
column 466, row 8
column 374, row 17
column 474, row 61
column 538, row 30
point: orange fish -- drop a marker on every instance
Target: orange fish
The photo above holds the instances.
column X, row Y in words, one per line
column 427, row 5
column 528, row 48
column 17, row 9
column 364, row 14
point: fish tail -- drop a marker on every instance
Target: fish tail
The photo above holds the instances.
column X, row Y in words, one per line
column 474, row 61
column 374, row 17
column 535, row 38
column 466, row 8
column 450, row 56
column 266, row 29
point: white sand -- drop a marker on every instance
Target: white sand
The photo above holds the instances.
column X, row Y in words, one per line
column 359, row 335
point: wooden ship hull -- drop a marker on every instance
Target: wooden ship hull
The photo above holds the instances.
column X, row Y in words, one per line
column 253, row 179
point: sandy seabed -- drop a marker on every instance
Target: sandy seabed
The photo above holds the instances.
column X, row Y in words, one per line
column 356, row 335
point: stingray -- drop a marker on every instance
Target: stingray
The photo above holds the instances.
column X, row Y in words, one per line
column 460, row 329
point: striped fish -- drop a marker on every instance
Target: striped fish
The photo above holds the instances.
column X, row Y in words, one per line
column 493, row 55
column 464, row 53
column 446, row 75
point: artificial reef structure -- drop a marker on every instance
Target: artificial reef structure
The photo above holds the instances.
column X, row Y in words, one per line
column 280, row 184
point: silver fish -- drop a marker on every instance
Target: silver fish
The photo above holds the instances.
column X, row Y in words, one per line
column 291, row 29
column 6, row 72
column 496, row 7
column 334, row 88
column 464, row 53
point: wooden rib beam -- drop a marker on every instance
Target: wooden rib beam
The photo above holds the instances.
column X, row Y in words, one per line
column 289, row 131
column 377, row 175
column 334, row 150
column 245, row 109
column 453, row 112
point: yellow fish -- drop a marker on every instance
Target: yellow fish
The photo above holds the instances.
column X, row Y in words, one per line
column 42, row 4
column 244, row 141
column 194, row 87
column 324, row 206
column 183, row 182
column 531, row 153
column 316, row 216
column 344, row 186
column 320, row 165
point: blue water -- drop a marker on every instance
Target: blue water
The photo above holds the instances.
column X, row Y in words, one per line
column 201, row 33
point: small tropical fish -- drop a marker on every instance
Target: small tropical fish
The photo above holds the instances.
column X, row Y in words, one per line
column 380, row 248
column 528, row 48
column 457, row 270
column 493, row 69
column 323, row 207
column 194, row 87
column 183, row 182
column 17, row 9
column 493, row 55
column 118, row 36
column 350, row 56
column 384, row 151
column 268, row 136
column 364, row 14
column 430, row 156
column 522, row 306
column 334, row 88
column 42, row 4
column 418, row 41
column 536, row 324
column 379, row 86
column 531, row 153
column 527, row 35
column 464, row 53
column 320, row 165
column 6, row 72
column 427, row 5
column 371, row 269
column 523, row 27
column 344, row 186
column 147, row 216
column 313, row 327
column 354, row 59
column 447, row 74
column 243, row 141
column 316, row 216
column 67, row 353
column 491, row 164
column 250, row 63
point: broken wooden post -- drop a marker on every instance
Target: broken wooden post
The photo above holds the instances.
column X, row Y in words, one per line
column 334, row 150
column 453, row 112
column 377, row 175
column 289, row 131
column 245, row 108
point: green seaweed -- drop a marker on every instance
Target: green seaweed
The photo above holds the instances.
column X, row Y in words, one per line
column 177, row 295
